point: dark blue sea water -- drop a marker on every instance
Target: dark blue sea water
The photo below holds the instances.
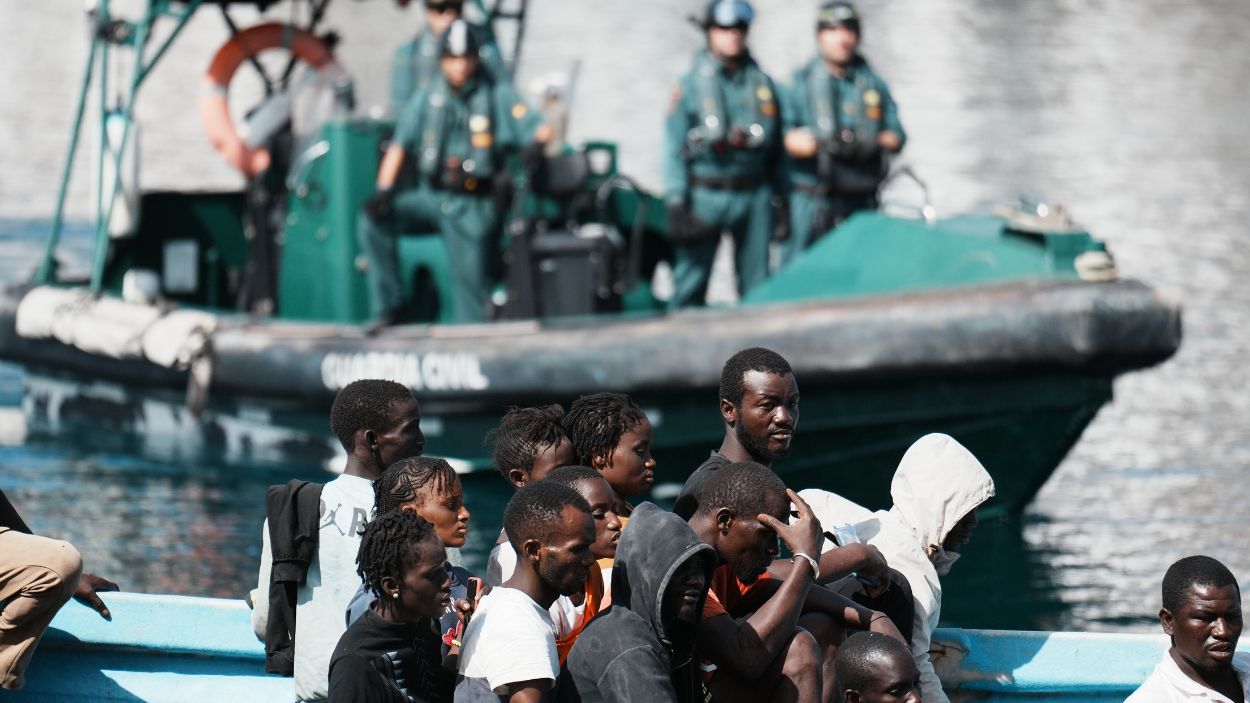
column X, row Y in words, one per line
column 1131, row 114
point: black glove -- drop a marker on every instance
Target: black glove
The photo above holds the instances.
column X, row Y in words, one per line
column 861, row 151
column 781, row 218
column 685, row 228
column 533, row 159
column 380, row 205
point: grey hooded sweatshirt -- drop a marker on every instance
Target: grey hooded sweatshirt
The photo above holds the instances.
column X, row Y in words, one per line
column 625, row 654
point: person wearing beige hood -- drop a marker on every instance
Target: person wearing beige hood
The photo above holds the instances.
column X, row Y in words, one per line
column 937, row 489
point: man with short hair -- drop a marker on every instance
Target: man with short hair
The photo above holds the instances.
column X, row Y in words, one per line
column 766, row 654
column 312, row 534
column 509, row 650
column 415, row 62
column 841, row 126
column 873, row 668
column 759, row 405
column 1202, row 615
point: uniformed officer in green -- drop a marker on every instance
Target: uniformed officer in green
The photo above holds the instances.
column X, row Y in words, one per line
column 723, row 158
column 841, row 125
column 416, row 61
column 460, row 130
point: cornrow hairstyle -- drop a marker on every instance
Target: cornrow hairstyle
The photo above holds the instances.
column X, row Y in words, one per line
column 386, row 544
column 406, row 479
column 572, row 475
column 746, row 488
column 535, row 511
column 367, row 404
column 596, row 422
column 860, row 658
column 523, row 434
column 752, row 359
column 1192, row 571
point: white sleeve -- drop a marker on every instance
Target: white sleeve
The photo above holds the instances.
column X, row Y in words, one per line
column 260, row 601
column 523, row 649
column 500, row 564
column 927, row 612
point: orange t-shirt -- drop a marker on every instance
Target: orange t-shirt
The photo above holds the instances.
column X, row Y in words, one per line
column 727, row 591
column 594, row 596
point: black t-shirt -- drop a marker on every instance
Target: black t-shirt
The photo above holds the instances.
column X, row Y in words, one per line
column 381, row 662
column 687, row 503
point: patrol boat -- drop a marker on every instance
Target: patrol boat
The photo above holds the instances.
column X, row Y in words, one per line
column 234, row 317
column 177, row 648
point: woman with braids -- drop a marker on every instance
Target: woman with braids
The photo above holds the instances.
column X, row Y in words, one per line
column 612, row 435
column 428, row 487
column 391, row 654
column 528, row 444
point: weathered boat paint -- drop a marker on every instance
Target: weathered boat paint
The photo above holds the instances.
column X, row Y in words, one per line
column 174, row 648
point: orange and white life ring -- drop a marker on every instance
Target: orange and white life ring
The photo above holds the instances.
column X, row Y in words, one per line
column 214, row 105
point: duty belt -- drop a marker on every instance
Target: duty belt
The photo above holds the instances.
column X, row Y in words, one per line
column 731, row 183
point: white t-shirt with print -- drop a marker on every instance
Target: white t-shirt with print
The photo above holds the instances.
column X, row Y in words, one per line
column 332, row 581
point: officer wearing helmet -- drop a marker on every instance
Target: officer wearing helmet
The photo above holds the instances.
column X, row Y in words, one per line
column 723, row 158
column 415, row 62
column 459, row 130
column 841, row 126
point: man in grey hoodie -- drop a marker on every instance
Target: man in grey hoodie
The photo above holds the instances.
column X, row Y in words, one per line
column 641, row 648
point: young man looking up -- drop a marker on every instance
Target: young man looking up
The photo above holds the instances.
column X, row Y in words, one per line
column 509, row 650
column 312, row 534
column 1202, row 614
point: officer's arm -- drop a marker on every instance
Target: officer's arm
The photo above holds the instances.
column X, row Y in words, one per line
column 526, row 124
column 892, row 137
column 401, row 80
column 407, row 128
column 800, row 141
column 392, row 161
column 780, row 163
column 676, row 179
column 493, row 61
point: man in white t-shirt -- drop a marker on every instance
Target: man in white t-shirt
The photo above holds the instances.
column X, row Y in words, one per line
column 1202, row 615
column 378, row 423
column 509, row 651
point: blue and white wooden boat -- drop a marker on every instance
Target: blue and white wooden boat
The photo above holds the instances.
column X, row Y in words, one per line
column 176, row 648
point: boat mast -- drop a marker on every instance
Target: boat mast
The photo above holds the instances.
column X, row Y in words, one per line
column 105, row 33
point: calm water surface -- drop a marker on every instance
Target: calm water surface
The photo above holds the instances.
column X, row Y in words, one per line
column 1132, row 114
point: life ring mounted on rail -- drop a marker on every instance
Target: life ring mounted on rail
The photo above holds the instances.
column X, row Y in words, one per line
column 252, row 159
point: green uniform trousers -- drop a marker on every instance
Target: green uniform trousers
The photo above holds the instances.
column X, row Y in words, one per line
column 748, row 215
column 812, row 216
column 470, row 230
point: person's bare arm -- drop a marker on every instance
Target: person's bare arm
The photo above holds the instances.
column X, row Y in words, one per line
column 532, row 691
column 750, row 645
column 842, row 561
column 838, row 606
column 388, row 171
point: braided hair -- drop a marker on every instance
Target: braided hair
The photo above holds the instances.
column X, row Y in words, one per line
column 596, row 422
column 405, row 480
column 386, row 544
column 523, row 434
column 368, row 404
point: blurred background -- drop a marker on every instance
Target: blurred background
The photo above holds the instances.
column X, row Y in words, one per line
column 1133, row 115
